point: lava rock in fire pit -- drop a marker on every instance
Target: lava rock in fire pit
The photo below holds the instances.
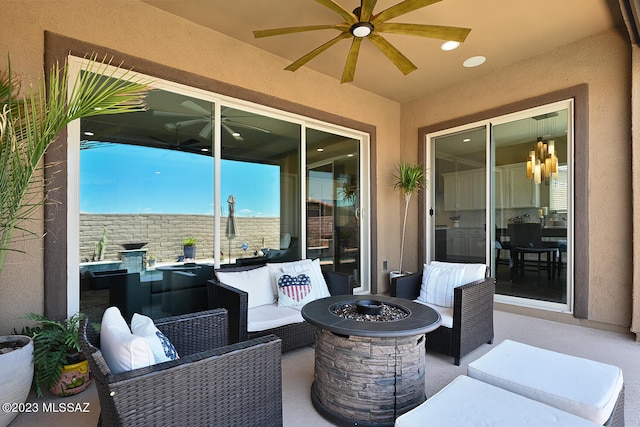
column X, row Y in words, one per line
column 386, row 312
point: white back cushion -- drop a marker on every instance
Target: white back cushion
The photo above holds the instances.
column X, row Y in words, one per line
column 122, row 350
column 440, row 278
column 256, row 282
column 470, row 272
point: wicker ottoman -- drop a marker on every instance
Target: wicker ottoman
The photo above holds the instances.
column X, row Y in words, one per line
column 583, row 387
column 468, row 402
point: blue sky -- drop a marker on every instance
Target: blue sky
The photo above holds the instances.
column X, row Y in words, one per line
column 118, row 178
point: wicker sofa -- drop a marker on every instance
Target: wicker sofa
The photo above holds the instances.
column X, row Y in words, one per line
column 472, row 315
column 235, row 301
column 212, row 383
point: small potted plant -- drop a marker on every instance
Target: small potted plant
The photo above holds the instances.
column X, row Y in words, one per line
column 151, row 260
column 456, row 220
column 189, row 246
column 59, row 365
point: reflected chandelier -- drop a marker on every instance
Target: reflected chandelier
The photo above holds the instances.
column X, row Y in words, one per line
column 542, row 162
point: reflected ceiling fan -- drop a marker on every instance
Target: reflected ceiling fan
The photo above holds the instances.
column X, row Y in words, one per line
column 202, row 115
column 363, row 23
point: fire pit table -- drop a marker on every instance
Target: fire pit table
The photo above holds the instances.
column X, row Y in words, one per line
column 369, row 358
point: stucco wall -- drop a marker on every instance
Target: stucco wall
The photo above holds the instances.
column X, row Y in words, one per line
column 603, row 62
column 138, row 29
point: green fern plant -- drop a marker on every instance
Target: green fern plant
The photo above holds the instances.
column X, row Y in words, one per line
column 55, row 344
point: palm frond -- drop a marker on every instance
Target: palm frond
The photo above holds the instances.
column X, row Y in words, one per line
column 29, row 126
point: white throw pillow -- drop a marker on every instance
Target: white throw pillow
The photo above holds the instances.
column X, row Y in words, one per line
column 122, row 350
column 256, row 282
column 438, row 283
column 319, row 288
column 160, row 345
column 295, row 289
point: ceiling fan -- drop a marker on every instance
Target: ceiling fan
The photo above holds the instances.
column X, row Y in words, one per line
column 363, row 23
column 202, row 115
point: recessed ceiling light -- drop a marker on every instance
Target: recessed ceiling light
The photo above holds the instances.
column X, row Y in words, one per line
column 319, row 150
column 87, row 133
column 466, row 140
column 204, row 149
column 474, row 61
column 450, row 45
column 235, row 134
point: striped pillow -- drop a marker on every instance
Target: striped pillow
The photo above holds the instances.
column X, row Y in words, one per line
column 438, row 283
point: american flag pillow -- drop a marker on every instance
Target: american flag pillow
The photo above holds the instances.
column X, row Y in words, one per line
column 294, row 288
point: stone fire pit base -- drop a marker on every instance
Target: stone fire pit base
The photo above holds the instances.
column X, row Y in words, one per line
column 367, row 381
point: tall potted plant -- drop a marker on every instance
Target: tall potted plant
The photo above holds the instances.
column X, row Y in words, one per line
column 410, row 178
column 28, row 126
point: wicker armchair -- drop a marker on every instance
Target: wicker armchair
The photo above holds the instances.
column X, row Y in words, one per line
column 472, row 315
column 294, row 335
column 212, row 383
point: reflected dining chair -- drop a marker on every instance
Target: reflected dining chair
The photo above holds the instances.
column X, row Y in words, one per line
column 526, row 238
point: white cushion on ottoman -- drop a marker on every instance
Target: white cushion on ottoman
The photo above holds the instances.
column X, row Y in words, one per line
column 583, row 387
column 468, row 402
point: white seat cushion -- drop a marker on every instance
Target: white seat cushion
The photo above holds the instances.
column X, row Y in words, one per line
column 122, row 350
column 271, row 316
column 446, row 313
column 256, row 282
column 468, row 402
column 583, row 387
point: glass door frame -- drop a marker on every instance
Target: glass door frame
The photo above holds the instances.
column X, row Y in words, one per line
column 430, row 195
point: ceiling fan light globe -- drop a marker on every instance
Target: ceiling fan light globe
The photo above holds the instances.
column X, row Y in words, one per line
column 450, row 45
column 361, row 29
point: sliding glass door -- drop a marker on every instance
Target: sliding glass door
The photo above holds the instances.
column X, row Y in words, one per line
column 246, row 183
column 501, row 194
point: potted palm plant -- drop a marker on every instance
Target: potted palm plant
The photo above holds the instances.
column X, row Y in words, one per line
column 60, row 367
column 28, row 126
column 410, row 178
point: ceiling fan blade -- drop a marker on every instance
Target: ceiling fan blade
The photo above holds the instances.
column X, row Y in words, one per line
column 317, row 51
column 401, row 8
column 366, row 10
column 400, row 61
column 290, row 30
column 232, row 132
column 195, row 107
column 247, row 126
column 348, row 16
column 350, row 66
column 457, row 34
column 157, row 113
column 206, row 131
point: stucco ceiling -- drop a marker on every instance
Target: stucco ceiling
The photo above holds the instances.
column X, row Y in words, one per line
column 504, row 31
